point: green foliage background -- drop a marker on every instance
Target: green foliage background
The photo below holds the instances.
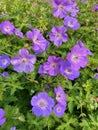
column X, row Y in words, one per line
column 17, row 89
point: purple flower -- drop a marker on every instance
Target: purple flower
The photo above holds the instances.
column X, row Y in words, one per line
column 77, row 57
column 42, row 71
column 4, row 61
column 59, row 110
column 58, row 35
column 40, row 44
column 95, row 8
column 72, row 8
column 60, row 95
column 68, row 70
column 6, row 27
column 59, row 8
column 24, row 61
column 4, row 74
column 85, row 50
column 42, row 104
column 18, row 33
column 71, row 23
column 13, row 128
column 53, row 65
column 2, row 118
column 96, row 76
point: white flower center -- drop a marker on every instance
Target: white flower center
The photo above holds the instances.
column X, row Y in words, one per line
column 68, row 71
column 58, row 35
column 24, row 60
column 70, row 24
column 58, row 109
column 58, row 96
column 4, row 61
column 42, row 103
column 75, row 58
column 35, row 40
column 17, row 32
column 61, row 7
column 7, row 29
column 54, row 65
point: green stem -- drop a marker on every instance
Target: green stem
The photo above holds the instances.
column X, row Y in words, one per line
column 5, row 53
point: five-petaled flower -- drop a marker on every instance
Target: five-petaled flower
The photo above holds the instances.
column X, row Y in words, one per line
column 4, row 61
column 72, row 9
column 39, row 43
column 6, row 27
column 58, row 35
column 42, row 104
column 60, row 8
column 52, row 66
column 77, row 57
column 59, row 110
column 71, row 23
column 68, row 70
column 24, row 61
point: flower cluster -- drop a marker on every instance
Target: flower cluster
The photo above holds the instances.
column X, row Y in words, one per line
column 42, row 104
column 22, row 63
column 64, row 8
column 70, row 68
column 77, row 58
column 2, row 118
column 60, row 107
column 7, row 27
column 68, row 10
